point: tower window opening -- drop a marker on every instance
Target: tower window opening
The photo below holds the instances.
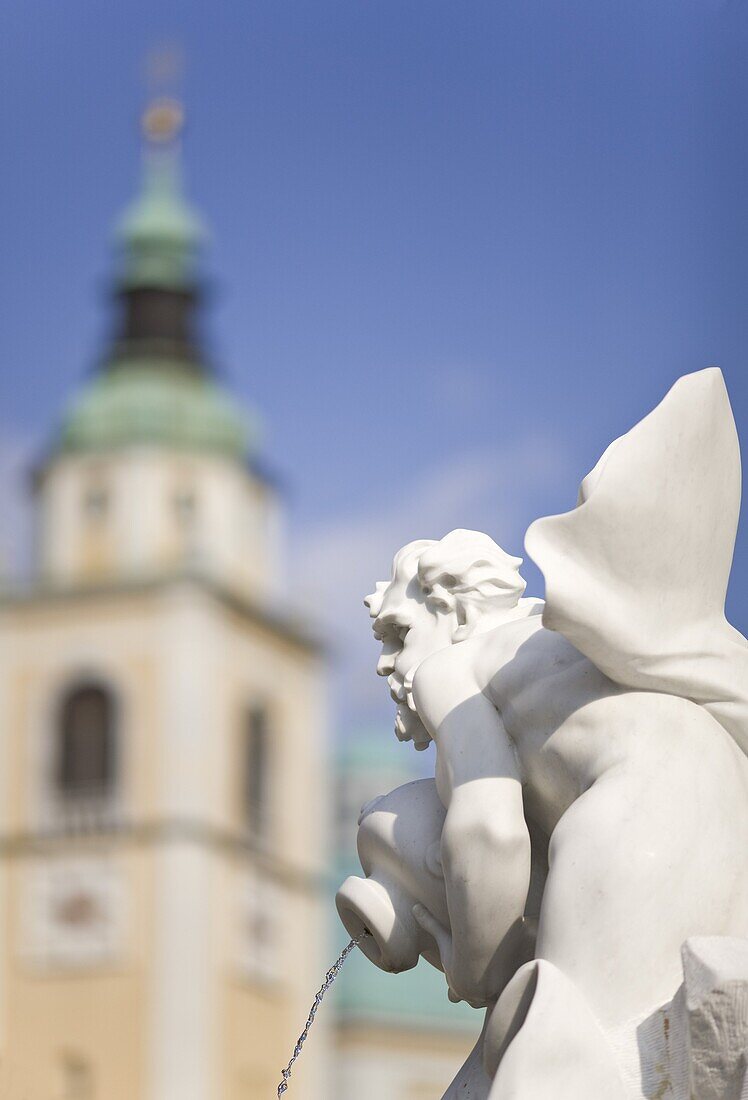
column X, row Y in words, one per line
column 86, row 749
column 96, row 503
column 77, row 1078
column 257, row 772
column 185, row 506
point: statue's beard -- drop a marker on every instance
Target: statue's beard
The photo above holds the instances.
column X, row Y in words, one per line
column 408, row 725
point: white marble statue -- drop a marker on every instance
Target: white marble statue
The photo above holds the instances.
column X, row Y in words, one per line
column 591, row 765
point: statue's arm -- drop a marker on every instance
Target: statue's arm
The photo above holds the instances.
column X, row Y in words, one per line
column 485, row 847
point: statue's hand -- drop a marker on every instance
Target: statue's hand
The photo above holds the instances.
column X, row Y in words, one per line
column 458, row 988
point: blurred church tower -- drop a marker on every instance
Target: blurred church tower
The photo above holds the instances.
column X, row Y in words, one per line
column 162, row 751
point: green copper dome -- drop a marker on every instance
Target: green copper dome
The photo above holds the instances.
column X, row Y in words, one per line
column 159, row 233
column 155, row 403
column 154, row 385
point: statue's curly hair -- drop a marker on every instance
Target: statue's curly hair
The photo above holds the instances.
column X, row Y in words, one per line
column 469, row 564
column 464, row 571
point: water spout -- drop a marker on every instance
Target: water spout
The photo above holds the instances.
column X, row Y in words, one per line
column 330, row 977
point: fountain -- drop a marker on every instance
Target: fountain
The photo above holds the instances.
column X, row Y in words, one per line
column 579, row 868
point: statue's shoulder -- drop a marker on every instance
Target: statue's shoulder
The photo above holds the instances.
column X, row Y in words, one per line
column 502, row 641
column 445, row 670
column 519, row 653
column 474, row 660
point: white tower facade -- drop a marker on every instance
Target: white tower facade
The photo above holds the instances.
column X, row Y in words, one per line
column 162, row 729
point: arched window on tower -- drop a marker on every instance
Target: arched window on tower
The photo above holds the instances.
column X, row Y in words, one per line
column 256, row 776
column 77, row 1078
column 86, row 747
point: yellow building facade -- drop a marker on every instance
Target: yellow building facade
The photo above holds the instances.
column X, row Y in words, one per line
column 162, row 762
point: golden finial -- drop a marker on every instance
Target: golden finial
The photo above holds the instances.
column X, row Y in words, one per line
column 163, row 118
column 162, row 121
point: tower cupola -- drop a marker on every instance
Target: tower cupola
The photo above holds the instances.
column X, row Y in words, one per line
column 149, row 472
column 159, row 238
column 160, row 234
column 154, row 383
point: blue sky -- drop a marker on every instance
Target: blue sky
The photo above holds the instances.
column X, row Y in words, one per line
column 457, row 247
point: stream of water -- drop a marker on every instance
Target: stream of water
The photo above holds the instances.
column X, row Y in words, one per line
column 330, row 977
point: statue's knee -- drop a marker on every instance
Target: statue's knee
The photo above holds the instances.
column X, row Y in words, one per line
column 508, row 1015
column 542, row 1040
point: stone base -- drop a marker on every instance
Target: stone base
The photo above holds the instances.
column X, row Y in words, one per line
column 694, row 1048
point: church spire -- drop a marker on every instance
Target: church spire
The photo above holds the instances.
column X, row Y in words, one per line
column 159, row 238
column 154, row 384
column 160, row 234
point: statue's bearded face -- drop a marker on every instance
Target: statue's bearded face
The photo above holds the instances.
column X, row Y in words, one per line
column 411, row 626
column 440, row 593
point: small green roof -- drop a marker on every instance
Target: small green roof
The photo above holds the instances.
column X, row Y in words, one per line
column 156, row 402
column 159, row 232
column 375, row 748
column 417, row 998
